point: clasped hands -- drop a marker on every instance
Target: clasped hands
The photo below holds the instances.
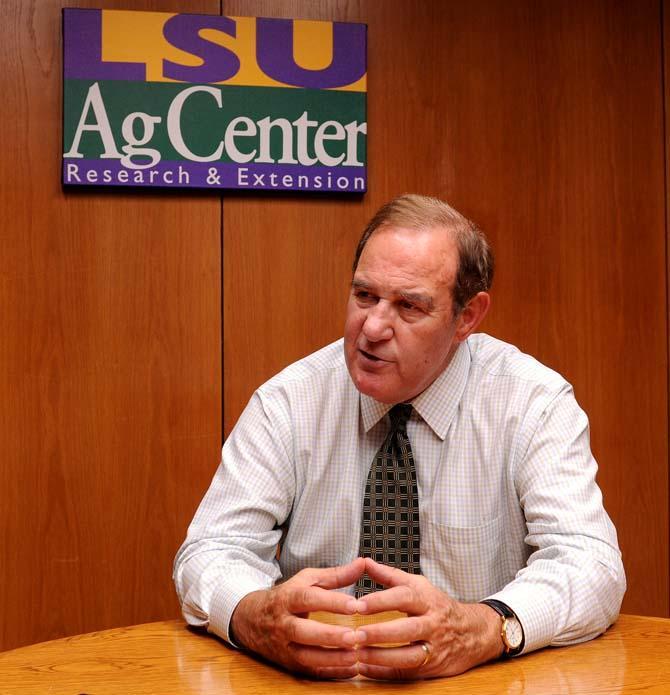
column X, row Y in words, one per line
column 439, row 636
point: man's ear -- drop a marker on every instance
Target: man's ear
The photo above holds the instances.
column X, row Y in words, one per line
column 473, row 314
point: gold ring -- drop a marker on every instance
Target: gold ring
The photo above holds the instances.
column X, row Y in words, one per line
column 427, row 651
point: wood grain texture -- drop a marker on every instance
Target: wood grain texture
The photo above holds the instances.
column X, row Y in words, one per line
column 544, row 123
column 666, row 94
column 109, row 366
column 632, row 657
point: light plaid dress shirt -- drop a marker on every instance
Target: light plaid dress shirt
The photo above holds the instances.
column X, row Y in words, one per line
column 509, row 506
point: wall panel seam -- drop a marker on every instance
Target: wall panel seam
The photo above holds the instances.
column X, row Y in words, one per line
column 664, row 92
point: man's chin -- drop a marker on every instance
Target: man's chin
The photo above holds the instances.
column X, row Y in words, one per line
column 375, row 386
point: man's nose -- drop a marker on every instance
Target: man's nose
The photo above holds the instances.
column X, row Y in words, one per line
column 378, row 323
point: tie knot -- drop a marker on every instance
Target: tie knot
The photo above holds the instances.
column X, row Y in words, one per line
column 399, row 415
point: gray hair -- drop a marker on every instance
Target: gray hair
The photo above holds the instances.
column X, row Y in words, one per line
column 475, row 257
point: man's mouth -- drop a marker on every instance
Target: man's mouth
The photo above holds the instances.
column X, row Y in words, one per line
column 370, row 356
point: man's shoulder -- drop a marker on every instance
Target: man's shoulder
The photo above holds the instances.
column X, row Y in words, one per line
column 320, row 367
column 496, row 359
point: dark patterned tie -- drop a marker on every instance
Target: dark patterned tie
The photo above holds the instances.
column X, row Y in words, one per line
column 390, row 528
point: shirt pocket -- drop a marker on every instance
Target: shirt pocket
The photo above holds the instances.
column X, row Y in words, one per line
column 466, row 562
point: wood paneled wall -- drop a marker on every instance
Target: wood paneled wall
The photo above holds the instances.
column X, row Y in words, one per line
column 542, row 121
column 110, row 365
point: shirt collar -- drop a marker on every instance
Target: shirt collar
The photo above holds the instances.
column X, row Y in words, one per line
column 437, row 405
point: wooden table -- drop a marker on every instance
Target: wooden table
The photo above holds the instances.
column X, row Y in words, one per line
column 168, row 659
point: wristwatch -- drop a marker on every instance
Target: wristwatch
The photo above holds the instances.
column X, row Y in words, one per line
column 511, row 629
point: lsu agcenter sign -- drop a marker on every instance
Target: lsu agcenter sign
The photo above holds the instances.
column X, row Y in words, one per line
column 206, row 101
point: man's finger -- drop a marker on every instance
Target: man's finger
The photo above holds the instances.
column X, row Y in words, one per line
column 305, row 599
column 388, row 576
column 336, row 672
column 402, row 630
column 411, row 656
column 384, row 673
column 316, row 657
column 340, row 576
column 399, row 598
column 312, row 632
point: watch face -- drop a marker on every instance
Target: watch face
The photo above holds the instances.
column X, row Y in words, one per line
column 513, row 633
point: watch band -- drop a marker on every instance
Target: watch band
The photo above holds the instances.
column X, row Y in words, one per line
column 506, row 613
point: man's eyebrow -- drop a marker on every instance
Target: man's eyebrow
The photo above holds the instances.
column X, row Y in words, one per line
column 423, row 300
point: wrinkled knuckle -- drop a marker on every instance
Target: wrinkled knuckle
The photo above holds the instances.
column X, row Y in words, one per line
column 289, row 633
column 279, row 597
column 281, row 589
column 300, row 656
column 305, row 574
column 282, row 610
column 423, row 586
column 305, row 596
column 417, row 629
column 292, row 598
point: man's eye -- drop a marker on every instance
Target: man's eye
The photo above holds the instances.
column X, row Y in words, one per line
column 408, row 306
column 363, row 296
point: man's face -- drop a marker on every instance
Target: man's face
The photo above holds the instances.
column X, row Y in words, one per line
column 400, row 331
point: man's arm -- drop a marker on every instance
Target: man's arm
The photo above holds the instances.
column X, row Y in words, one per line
column 569, row 591
column 230, row 549
column 573, row 584
column 226, row 570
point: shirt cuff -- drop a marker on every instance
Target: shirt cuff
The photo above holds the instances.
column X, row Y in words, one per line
column 527, row 603
column 225, row 599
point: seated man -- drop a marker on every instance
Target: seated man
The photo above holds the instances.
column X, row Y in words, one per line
column 416, row 466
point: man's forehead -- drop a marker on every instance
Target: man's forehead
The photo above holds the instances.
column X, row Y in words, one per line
column 440, row 233
column 430, row 253
column 438, row 240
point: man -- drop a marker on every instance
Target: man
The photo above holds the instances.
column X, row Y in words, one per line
column 464, row 461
